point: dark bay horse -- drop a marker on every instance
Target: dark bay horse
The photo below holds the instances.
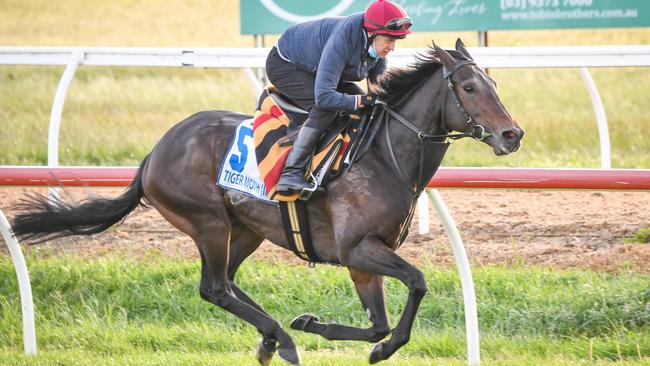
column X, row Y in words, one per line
column 356, row 222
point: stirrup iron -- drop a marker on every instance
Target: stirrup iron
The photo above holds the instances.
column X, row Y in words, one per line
column 306, row 193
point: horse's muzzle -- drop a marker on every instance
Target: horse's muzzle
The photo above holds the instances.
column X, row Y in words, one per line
column 506, row 141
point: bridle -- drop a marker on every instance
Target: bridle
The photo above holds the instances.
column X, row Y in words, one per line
column 478, row 131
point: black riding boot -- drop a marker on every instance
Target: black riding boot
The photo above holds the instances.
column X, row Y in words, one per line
column 293, row 176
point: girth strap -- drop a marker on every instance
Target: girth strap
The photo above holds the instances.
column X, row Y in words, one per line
column 295, row 223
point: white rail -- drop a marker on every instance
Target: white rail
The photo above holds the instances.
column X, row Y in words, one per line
column 24, row 286
column 493, row 57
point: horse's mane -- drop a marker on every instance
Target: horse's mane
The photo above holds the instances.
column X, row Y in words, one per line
column 397, row 83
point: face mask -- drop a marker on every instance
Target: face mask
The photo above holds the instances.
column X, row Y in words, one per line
column 372, row 52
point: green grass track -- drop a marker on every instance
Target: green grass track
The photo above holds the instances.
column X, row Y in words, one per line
column 114, row 311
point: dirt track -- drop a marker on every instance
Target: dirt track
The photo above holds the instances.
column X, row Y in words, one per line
column 560, row 229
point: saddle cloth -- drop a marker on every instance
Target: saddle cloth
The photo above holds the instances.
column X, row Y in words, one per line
column 270, row 136
column 258, row 152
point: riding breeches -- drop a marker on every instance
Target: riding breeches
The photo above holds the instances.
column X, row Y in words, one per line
column 298, row 85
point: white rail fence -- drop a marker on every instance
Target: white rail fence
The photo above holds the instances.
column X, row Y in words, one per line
column 249, row 58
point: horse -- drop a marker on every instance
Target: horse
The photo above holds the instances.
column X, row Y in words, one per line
column 442, row 91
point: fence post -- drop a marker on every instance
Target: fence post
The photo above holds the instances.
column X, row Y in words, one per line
column 466, row 281
column 254, row 82
column 25, row 288
column 601, row 119
column 57, row 111
column 423, row 215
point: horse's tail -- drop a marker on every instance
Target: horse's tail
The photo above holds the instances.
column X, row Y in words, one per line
column 43, row 218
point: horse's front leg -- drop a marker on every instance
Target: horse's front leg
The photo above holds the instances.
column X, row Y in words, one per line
column 373, row 256
column 370, row 288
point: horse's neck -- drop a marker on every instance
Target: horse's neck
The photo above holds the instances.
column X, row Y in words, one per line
column 422, row 109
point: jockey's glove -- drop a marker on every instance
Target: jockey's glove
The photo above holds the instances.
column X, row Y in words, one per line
column 368, row 100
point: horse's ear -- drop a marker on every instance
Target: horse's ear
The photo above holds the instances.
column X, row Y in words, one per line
column 444, row 57
column 460, row 47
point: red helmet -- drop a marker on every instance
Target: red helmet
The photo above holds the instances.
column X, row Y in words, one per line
column 387, row 18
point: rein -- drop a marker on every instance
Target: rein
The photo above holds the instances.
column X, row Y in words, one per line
column 478, row 131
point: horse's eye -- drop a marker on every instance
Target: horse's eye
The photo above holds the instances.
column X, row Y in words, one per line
column 468, row 88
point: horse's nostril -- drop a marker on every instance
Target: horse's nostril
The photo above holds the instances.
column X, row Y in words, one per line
column 510, row 134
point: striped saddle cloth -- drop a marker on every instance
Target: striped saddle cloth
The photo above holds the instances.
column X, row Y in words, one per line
column 273, row 135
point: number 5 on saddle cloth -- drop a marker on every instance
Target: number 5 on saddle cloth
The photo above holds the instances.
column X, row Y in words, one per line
column 275, row 126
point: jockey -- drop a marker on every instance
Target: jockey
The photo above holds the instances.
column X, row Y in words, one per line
column 316, row 63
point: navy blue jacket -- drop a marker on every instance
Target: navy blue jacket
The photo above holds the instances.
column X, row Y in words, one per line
column 335, row 49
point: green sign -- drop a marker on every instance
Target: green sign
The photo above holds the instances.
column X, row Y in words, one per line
column 274, row 16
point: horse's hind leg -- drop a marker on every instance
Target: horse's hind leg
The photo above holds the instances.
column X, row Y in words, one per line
column 179, row 180
column 370, row 289
column 210, row 227
column 213, row 243
column 243, row 243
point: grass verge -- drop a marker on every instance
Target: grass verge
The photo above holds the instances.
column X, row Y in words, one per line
column 126, row 312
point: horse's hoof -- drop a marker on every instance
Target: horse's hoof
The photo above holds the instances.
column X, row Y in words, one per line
column 265, row 351
column 302, row 321
column 377, row 353
column 290, row 355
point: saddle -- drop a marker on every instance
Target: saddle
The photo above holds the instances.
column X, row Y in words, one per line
column 276, row 124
